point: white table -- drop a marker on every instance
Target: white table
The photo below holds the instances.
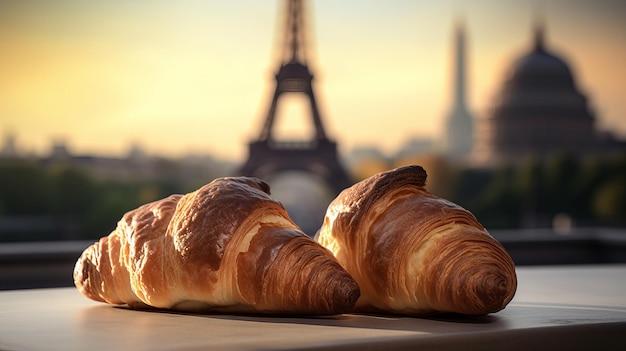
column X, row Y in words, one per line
column 561, row 307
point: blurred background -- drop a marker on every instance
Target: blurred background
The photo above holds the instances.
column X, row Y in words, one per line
column 515, row 109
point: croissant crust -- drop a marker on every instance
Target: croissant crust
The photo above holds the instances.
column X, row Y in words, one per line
column 226, row 247
column 413, row 253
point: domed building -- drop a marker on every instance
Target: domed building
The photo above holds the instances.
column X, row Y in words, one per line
column 539, row 111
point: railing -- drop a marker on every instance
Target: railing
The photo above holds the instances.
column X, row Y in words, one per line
column 25, row 265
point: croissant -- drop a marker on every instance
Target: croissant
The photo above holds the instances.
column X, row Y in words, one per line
column 227, row 247
column 413, row 253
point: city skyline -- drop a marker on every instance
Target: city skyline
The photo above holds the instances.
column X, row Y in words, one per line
column 197, row 76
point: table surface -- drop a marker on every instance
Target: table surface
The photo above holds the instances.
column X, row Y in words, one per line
column 556, row 307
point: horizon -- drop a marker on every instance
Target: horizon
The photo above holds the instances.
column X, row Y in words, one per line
column 196, row 77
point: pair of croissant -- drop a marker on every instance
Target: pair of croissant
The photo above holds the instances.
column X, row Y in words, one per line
column 387, row 245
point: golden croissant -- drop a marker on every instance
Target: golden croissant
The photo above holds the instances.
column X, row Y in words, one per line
column 227, row 247
column 413, row 253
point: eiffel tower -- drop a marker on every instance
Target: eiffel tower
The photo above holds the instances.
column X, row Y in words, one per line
column 268, row 156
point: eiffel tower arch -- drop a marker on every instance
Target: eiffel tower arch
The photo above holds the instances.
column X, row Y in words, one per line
column 318, row 156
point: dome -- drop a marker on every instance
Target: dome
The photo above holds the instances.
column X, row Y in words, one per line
column 540, row 84
column 538, row 111
column 541, row 69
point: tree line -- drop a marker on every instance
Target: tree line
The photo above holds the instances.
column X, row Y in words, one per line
column 531, row 193
column 72, row 203
column 534, row 192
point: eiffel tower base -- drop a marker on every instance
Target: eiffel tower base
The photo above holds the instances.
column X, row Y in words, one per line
column 267, row 158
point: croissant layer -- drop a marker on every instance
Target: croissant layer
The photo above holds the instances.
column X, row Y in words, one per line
column 414, row 253
column 226, row 247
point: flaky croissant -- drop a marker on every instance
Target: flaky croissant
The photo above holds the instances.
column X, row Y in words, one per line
column 226, row 247
column 413, row 253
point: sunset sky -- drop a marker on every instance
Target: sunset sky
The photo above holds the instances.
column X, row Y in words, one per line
column 196, row 76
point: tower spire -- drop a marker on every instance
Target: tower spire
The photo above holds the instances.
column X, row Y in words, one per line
column 293, row 74
column 539, row 29
column 460, row 82
column 295, row 40
column 458, row 139
column 539, row 33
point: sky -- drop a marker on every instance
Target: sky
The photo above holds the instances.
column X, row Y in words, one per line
column 192, row 76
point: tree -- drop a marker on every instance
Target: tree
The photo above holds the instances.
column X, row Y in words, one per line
column 24, row 189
